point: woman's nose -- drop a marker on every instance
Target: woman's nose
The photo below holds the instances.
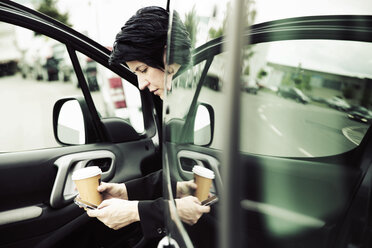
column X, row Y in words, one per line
column 142, row 83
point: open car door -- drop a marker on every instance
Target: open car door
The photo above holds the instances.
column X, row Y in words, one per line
column 289, row 173
column 57, row 119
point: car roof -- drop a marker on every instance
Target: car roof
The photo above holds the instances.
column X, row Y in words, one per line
column 330, row 27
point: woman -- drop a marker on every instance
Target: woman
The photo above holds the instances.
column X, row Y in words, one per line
column 141, row 44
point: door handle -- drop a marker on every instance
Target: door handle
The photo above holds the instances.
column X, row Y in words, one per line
column 201, row 159
column 63, row 190
column 188, row 163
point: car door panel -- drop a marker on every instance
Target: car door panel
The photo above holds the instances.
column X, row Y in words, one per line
column 302, row 199
column 28, row 185
column 37, row 208
column 187, row 156
column 302, row 205
column 279, row 197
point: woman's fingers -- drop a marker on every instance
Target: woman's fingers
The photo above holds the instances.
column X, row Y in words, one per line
column 192, row 184
column 205, row 209
column 104, row 204
column 93, row 213
column 103, row 187
column 195, row 199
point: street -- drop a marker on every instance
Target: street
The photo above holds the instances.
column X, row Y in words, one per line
column 270, row 125
column 27, row 111
column 275, row 126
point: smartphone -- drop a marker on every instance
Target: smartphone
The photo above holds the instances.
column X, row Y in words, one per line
column 210, row 201
column 83, row 204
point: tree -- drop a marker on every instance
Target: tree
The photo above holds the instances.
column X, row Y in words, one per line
column 191, row 24
column 261, row 74
column 217, row 32
column 48, row 7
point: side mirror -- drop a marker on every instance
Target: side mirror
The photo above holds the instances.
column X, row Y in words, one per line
column 71, row 122
column 203, row 125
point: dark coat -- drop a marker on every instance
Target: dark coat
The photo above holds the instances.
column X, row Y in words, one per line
column 149, row 191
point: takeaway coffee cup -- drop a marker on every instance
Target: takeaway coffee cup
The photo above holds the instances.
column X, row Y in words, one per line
column 203, row 178
column 87, row 180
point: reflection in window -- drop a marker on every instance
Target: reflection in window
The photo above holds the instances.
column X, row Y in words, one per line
column 112, row 95
column 314, row 97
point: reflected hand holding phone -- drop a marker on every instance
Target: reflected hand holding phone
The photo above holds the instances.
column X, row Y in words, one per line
column 211, row 200
column 83, row 204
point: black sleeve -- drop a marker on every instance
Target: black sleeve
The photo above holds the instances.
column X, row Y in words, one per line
column 149, row 187
column 152, row 218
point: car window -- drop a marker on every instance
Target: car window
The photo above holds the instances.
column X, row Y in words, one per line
column 297, row 97
column 307, row 123
column 29, row 87
column 35, row 72
column 113, row 96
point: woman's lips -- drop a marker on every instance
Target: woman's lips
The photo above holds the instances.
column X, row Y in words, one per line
column 154, row 91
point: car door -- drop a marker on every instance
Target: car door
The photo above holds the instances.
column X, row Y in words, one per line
column 118, row 131
column 288, row 174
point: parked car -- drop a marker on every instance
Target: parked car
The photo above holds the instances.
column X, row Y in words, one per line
column 318, row 99
column 360, row 113
column 252, row 89
column 213, row 82
column 293, row 93
column 338, row 103
column 65, row 68
column 91, row 74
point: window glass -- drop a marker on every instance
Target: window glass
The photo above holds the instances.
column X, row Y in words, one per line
column 30, row 84
column 301, row 98
column 113, row 96
column 204, row 21
column 305, row 98
column 35, row 72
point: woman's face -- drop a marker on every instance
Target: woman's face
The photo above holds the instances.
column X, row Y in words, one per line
column 152, row 78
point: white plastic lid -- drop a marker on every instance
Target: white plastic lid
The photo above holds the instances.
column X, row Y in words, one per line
column 83, row 173
column 203, row 172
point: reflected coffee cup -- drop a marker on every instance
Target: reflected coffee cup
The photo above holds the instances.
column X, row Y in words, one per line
column 203, row 178
column 87, row 180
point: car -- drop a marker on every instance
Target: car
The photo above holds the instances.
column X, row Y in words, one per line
column 338, row 103
column 252, row 89
column 360, row 113
column 286, row 175
column 293, row 93
column 213, row 82
column 318, row 99
column 65, row 68
column 91, row 74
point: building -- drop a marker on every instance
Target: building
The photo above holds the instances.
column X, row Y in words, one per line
column 321, row 84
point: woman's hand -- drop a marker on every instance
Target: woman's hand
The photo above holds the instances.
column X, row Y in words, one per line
column 113, row 190
column 190, row 210
column 185, row 188
column 116, row 213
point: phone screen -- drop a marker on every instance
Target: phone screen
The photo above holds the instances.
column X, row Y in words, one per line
column 210, row 201
column 83, row 204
